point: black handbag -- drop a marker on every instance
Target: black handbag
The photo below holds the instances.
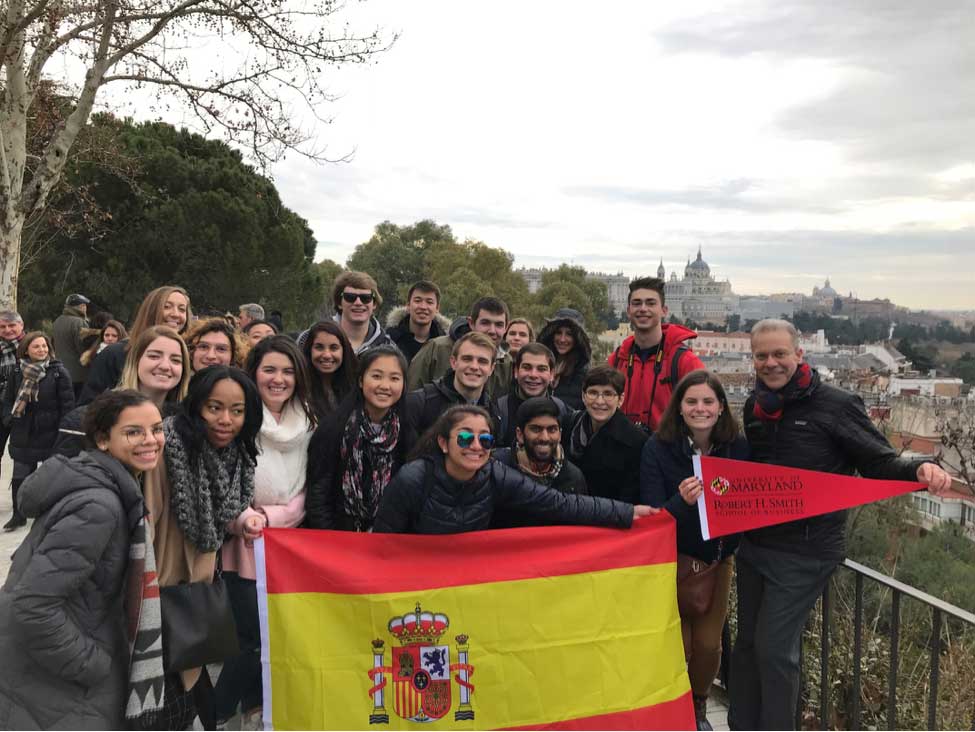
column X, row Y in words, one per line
column 197, row 624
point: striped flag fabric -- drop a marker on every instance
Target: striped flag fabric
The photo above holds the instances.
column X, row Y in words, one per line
column 534, row 628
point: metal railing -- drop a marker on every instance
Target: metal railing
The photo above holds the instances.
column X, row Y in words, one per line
column 940, row 610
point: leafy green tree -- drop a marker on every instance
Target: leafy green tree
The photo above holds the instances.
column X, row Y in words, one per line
column 397, row 256
column 193, row 214
column 964, row 368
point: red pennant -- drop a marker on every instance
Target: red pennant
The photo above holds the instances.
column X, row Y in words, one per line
column 740, row 495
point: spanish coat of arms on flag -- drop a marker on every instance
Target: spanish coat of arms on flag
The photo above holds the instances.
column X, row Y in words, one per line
column 549, row 627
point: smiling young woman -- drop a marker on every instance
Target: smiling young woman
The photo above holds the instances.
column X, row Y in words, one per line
column 68, row 578
column 453, row 486
column 360, row 446
column 699, row 421
column 35, row 400
column 333, row 366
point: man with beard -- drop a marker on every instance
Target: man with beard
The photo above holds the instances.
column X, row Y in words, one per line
column 538, row 454
column 471, row 365
column 533, row 371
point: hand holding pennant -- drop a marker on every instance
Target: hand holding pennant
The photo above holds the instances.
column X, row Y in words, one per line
column 739, row 496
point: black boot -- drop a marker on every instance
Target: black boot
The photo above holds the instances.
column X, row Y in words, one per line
column 18, row 519
column 701, row 712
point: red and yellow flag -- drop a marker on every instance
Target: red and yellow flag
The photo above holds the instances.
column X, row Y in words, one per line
column 554, row 628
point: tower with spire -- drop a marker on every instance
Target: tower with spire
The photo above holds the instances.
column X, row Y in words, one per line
column 660, row 270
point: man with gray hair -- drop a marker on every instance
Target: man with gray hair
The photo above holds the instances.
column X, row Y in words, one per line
column 249, row 313
column 11, row 334
column 793, row 419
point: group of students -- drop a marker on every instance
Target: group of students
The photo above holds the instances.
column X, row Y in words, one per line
column 190, row 438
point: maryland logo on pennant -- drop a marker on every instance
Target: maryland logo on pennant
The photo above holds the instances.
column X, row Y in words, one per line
column 420, row 671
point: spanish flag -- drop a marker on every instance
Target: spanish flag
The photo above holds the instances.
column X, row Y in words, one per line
column 534, row 628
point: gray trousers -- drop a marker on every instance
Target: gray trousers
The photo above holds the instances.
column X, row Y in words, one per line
column 776, row 592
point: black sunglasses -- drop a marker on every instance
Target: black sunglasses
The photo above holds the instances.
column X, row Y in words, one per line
column 466, row 439
column 351, row 297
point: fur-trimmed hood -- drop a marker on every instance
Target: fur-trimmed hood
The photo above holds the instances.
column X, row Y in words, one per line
column 398, row 318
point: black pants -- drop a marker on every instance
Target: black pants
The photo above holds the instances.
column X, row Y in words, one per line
column 21, row 472
column 776, row 592
column 240, row 680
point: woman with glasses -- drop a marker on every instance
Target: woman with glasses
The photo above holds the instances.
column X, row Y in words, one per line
column 602, row 442
column 213, row 342
column 62, row 613
column 357, row 450
column 455, row 487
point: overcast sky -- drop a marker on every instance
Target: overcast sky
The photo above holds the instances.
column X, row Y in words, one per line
column 791, row 140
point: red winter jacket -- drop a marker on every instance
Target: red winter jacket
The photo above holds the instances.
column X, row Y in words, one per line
column 641, row 376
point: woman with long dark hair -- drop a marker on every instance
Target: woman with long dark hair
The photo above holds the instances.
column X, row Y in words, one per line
column 62, row 610
column 357, row 450
column 565, row 336
column 38, row 396
column 453, row 486
column 333, row 366
column 110, row 334
column 698, row 421
column 168, row 305
column 278, row 369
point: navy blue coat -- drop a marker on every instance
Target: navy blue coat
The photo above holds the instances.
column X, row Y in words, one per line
column 663, row 466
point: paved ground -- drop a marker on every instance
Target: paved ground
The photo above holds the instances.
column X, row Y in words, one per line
column 8, row 540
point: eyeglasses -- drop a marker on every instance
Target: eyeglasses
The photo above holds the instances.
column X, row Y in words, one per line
column 351, row 297
column 135, row 436
column 203, row 347
column 595, row 395
column 466, row 439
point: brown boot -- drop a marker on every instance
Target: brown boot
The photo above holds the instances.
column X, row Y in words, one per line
column 701, row 712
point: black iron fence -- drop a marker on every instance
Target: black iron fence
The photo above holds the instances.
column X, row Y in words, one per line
column 940, row 612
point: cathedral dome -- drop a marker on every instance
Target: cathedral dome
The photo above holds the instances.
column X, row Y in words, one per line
column 697, row 268
column 827, row 291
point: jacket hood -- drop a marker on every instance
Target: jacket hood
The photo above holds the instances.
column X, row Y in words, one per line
column 59, row 476
column 547, row 337
column 459, row 327
column 74, row 311
column 398, row 318
column 374, row 334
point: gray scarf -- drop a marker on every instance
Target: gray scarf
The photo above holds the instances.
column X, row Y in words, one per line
column 210, row 492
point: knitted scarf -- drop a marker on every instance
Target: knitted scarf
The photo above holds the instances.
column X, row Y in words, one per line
column 368, row 456
column 33, row 373
column 8, row 359
column 530, row 468
column 769, row 404
column 209, row 492
column 144, row 628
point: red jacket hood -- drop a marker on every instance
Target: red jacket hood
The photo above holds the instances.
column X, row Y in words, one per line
column 673, row 335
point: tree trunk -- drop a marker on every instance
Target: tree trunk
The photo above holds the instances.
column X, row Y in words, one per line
column 10, row 263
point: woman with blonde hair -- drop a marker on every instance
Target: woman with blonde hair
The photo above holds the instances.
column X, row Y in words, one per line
column 168, row 305
column 157, row 365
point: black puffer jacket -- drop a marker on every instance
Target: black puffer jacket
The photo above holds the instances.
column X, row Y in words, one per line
column 33, row 434
column 426, row 404
column 324, row 498
column 423, row 499
column 829, row 431
column 569, row 388
column 105, row 371
column 62, row 624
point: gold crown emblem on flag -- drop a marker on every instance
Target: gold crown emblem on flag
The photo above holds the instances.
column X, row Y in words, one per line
column 419, row 626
